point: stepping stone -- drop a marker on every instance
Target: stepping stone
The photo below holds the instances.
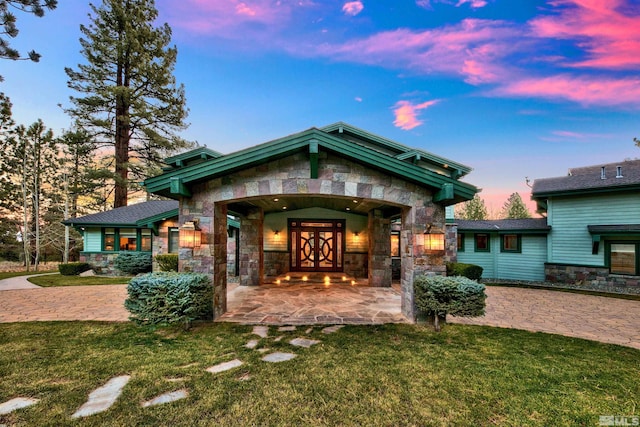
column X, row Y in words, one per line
column 225, row 366
column 286, row 328
column 263, row 350
column 279, row 338
column 261, row 331
column 171, row 396
column 278, row 357
column 332, row 329
column 103, row 397
column 16, row 403
column 251, row 344
column 303, row 342
column 308, row 331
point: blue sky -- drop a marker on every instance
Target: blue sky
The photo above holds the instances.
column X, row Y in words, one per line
column 513, row 89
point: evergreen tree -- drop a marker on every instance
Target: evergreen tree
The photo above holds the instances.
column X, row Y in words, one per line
column 9, row 28
column 473, row 209
column 29, row 166
column 514, row 208
column 128, row 98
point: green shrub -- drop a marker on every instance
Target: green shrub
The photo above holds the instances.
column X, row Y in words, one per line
column 73, row 268
column 166, row 298
column 133, row 262
column 167, row 262
column 437, row 296
column 470, row 271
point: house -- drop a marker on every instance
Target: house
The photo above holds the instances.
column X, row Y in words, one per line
column 589, row 236
column 330, row 200
column 150, row 226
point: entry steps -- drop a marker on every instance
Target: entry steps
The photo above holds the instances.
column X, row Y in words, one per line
column 334, row 278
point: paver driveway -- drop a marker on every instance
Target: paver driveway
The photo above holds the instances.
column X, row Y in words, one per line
column 610, row 320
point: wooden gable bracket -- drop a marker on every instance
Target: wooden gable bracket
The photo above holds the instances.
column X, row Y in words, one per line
column 178, row 188
column 154, row 228
column 313, row 158
column 445, row 193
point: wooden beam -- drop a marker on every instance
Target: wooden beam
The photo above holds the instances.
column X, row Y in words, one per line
column 313, row 158
column 178, row 188
column 445, row 193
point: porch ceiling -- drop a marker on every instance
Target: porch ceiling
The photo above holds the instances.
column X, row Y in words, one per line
column 291, row 203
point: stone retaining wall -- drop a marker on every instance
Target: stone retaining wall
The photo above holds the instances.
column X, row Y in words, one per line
column 101, row 262
column 591, row 278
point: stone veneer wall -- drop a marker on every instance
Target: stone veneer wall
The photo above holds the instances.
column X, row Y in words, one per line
column 451, row 243
column 276, row 263
column 591, row 278
column 101, row 262
column 356, row 264
column 337, row 177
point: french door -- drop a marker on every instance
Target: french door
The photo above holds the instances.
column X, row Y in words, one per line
column 316, row 245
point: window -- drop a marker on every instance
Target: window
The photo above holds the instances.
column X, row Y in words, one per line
column 460, row 242
column 511, row 243
column 482, row 243
column 395, row 244
column 623, row 258
column 174, row 240
column 128, row 239
column 109, row 239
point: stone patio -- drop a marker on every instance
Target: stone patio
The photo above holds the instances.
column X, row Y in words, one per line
column 312, row 303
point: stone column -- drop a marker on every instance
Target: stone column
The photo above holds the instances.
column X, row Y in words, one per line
column 219, row 260
column 415, row 260
column 252, row 248
column 379, row 249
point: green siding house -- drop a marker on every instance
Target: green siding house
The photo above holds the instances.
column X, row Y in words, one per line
column 589, row 236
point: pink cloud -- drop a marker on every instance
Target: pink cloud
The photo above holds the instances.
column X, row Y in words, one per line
column 475, row 4
column 608, row 31
column 585, row 90
column 473, row 49
column 407, row 113
column 352, row 8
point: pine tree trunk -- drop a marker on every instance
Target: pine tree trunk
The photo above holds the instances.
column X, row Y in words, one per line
column 26, row 247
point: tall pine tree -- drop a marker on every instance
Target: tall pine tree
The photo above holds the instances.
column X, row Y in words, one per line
column 129, row 99
column 514, row 208
column 473, row 209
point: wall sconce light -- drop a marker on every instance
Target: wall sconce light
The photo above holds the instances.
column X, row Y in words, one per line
column 276, row 234
column 433, row 240
column 190, row 235
column 356, row 236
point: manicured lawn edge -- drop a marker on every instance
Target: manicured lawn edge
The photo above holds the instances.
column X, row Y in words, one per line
column 55, row 280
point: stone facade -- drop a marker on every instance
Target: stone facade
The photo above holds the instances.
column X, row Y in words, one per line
column 101, row 262
column 591, row 278
column 337, row 177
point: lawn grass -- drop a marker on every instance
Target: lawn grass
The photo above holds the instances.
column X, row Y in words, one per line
column 361, row 375
column 60, row 280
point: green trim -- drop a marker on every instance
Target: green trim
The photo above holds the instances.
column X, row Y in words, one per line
column 524, row 231
column 175, row 182
column 518, row 249
column 446, row 193
column 313, row 159
column 585, row 191
column 460, row 242
column 200, row 153
column 607, row 255
column 404, row 151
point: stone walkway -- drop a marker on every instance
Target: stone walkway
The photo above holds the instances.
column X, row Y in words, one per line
column 609, row 320
column 313, row 303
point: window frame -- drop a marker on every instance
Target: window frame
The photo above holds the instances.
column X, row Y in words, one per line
column 503, row 246
column 116, row 238
column 460, row 242
column 170, row 248
column 475, row 242
column 607, row 260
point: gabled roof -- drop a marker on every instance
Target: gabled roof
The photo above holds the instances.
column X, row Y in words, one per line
column 502, row 226
column 138, row 215
column 589, row 179
column 192, row 156
column 369, row 150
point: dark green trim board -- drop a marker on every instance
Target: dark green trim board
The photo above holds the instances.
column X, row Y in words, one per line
column 313, row 159
column 585, row 191
column 176, row 183
column 475, row 242
column 518, row 248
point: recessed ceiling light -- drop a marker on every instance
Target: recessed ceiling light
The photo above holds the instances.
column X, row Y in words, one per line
column 276, row 199
column 348, row 209
column 355, row 201
column 284, row 207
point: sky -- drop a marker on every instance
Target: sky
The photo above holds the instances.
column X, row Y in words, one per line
column 515, row 89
